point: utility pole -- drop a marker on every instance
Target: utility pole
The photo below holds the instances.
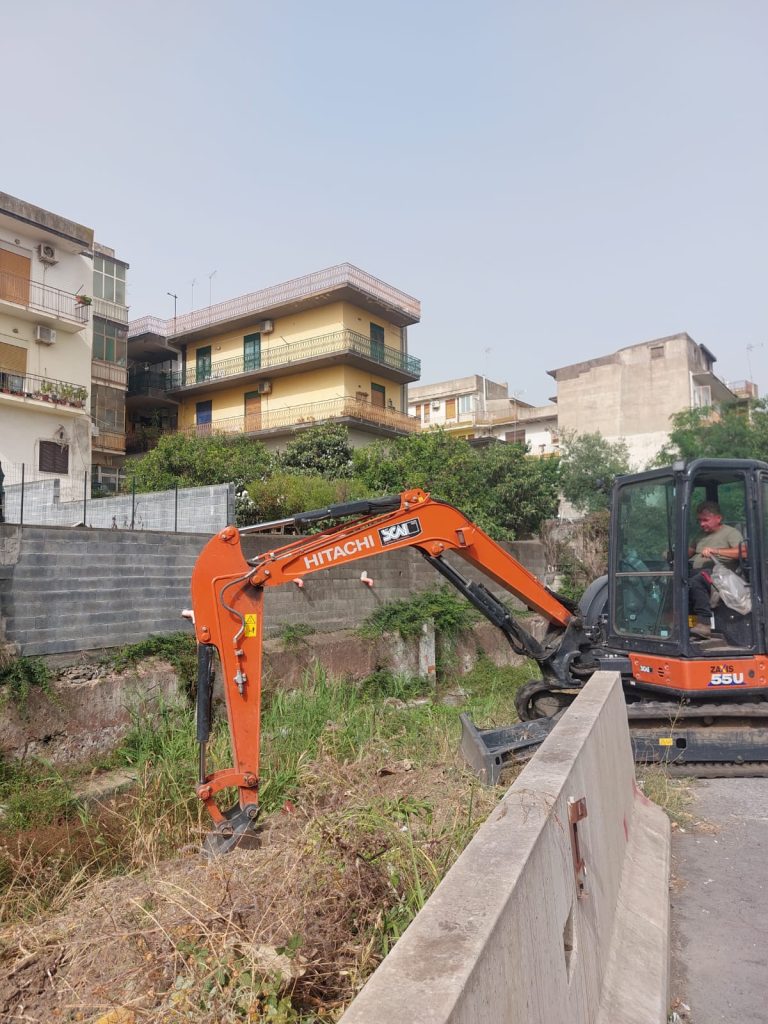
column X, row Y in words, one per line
column 210, row 278
column 175, row 298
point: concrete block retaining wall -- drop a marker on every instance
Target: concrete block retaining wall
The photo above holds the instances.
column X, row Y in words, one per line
column 64, row 590
column 509, row 935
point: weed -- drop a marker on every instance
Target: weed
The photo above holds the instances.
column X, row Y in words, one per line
column 295, row 635
column 19, row 677
column 450, row 614
column 179, row 649
column 384, row 684
column 673, row 795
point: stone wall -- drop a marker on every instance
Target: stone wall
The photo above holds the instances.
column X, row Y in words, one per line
column 64, row 590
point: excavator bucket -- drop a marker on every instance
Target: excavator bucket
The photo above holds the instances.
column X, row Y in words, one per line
column 489, row 751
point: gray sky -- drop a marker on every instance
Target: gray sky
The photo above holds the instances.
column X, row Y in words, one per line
column 553, row 179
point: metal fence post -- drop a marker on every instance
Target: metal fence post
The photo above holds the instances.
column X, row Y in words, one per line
column 133, row 502
column 85, row 497
column 176, row 507
column 2, row 495
column 21, row 509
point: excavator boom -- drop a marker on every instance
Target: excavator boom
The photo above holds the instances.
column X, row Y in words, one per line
column 228, row 593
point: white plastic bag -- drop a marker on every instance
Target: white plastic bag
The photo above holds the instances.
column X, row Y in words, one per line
column 733, row 591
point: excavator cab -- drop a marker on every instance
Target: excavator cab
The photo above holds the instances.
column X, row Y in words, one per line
column 653, row 529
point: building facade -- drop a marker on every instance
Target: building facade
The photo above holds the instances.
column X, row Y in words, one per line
column 46, row 273
column 476, row 407
column 633, row 393
column 109, row 368
column 328, row 347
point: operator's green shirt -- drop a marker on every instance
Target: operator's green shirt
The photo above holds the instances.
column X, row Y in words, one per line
column 723, row 537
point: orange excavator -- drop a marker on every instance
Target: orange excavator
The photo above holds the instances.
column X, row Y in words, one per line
column 695, row 702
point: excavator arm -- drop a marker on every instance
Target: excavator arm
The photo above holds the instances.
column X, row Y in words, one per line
column 228, row 594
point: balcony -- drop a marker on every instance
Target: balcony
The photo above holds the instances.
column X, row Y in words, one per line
column 30, row 388
column 279, row 358
column 348, row 410
column 32, row 300
column 108, row 441
column 111, row 374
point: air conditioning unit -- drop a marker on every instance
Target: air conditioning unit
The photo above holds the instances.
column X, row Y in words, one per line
column 267, row 327
column 435, row 405
column 47, row 253
column 265, row 387
column 45, row 335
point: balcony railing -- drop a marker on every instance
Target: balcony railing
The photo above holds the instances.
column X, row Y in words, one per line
column 277, row 354
column 146, row 382
column 41, row 297
column 41, row 389
column 107, row 440
column 298, row 415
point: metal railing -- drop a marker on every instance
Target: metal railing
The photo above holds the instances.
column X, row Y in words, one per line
column 30, row 497
column 34, row 295
column 41, row 389
column 260, row 302
column 277, row 353
column 146, row 438
column 103, row 372
column 147, row 382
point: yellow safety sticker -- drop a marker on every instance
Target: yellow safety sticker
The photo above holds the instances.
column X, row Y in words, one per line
column 251, row 624
column 666, row 741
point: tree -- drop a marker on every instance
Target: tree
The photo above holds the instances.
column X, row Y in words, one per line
column 588, row 465
column 500, row 487
column 191, row 461
column 736, row 431
column 324, row 449
column 283, row 494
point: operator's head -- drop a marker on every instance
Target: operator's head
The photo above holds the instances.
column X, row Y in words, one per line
column 709, row 517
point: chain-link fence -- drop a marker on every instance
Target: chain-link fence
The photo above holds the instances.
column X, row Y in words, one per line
column 29, row 497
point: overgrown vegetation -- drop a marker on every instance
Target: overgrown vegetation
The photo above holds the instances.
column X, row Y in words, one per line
column 507, row 492
column 738, row 430
column 369, row 851
column 588, row 466
column 449, row 612
column 20, row 676
column 179, row 649
column 295, row 634
column 503, row 489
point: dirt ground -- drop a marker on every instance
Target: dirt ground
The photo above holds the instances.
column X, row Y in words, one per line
column 298, row 922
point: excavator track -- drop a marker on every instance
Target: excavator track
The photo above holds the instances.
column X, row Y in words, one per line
column 699, row 740
column 704, row 740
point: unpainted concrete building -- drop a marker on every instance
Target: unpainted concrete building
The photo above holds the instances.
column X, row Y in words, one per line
column 633, row 393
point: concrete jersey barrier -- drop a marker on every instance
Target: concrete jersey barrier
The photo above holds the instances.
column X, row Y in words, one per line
column 558, row 910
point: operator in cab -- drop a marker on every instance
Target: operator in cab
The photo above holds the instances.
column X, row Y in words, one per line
column 717, row 541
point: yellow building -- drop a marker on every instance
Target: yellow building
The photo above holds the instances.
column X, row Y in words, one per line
column 328, row 347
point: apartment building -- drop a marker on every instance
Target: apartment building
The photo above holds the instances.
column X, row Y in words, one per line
column 633, row 393
column 46, row 273
column 328, row 347
column 109, row 367
column 476, row 407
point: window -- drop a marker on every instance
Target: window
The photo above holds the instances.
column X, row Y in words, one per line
column 108, row 408
column 110, row 341
column 450, row 408
column 426, row 412
column 378, row 395
column 203, row 413
column 54, row 457
column 465, row 403
column 377, row 343
column 14, row 277
column 108, row 280
column 251, row 352
column 203, row 364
